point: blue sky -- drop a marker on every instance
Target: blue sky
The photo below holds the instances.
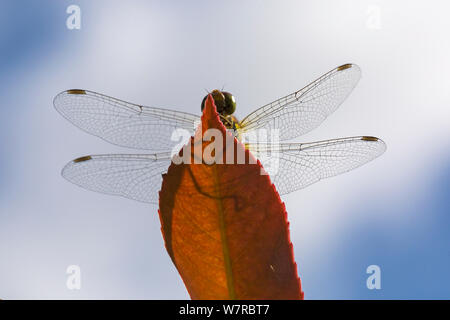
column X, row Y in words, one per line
column 393, row 212
column 414, row 259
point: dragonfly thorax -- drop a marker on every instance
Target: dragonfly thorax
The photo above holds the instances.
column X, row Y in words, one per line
column 230, row 122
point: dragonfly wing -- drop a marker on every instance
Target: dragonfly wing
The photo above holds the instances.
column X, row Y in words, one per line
column 123, row 123
column 136, row 176
column 304, row 110
column 293, row 166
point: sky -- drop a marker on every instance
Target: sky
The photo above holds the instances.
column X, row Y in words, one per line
column 393, row 212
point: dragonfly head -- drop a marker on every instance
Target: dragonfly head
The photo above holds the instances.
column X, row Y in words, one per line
column 224, row 101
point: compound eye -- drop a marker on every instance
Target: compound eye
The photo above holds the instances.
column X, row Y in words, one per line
column 230, row 103
column 203, row 102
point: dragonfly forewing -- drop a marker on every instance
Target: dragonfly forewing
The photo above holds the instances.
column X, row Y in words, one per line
column 124, row 123
column 304, row 110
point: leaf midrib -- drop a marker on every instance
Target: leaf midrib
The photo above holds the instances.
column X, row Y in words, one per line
column 223, row 237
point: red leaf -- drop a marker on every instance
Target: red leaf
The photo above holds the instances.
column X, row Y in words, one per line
column 225, row 227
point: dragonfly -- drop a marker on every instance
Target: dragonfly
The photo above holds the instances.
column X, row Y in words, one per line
column 139, row 176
